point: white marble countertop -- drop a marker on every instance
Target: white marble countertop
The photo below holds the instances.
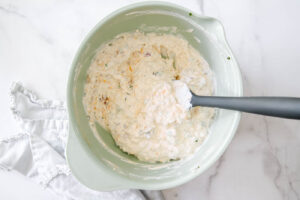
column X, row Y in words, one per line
column 38, row 40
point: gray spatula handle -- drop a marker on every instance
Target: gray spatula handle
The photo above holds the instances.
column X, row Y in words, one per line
column 285, row 107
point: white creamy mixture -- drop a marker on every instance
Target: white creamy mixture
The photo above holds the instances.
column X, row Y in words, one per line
column 137, row 88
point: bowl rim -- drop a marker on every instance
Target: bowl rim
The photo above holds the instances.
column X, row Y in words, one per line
column 70, row 102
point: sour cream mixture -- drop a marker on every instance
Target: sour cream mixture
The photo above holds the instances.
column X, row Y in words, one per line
column 137, row 88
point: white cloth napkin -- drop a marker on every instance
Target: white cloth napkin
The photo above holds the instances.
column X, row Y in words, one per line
column 38, row 152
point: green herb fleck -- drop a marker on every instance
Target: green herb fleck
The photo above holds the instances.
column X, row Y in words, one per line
column 119, row 85
column 105, row 64
column 190, row 14
column 130, row 86
column 228, row 58
column 110, row 44
column 174, row 64
column 196, row 140
column 155, row 73
column 164, row 56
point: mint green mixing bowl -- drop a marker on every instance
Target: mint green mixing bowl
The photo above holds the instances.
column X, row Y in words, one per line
column 95, row 160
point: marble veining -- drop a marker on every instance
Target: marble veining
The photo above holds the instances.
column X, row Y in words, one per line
column 38, row 40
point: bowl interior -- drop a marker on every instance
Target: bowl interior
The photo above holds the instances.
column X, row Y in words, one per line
column 204, row 34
